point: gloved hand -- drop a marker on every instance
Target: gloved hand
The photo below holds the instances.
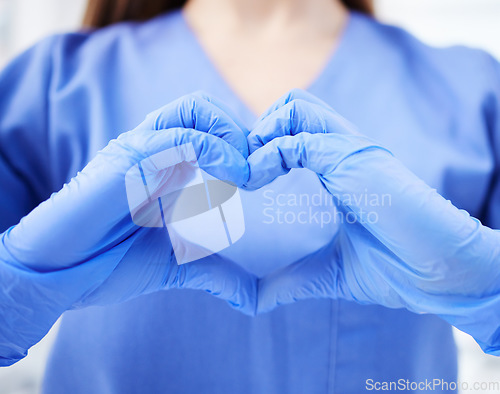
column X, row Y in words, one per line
column 81, row 247
column 415, row 251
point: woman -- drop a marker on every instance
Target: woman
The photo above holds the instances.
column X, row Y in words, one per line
column 63, row 100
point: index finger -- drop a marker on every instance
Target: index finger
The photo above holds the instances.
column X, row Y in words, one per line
column 196, row 111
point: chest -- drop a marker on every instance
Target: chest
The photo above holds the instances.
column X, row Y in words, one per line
column 261, row 72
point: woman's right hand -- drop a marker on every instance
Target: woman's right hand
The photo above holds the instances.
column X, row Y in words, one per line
column 81, row 247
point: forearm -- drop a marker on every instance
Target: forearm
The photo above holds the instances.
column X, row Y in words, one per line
column 442, row 260
column 32, row 301
column 418, row 225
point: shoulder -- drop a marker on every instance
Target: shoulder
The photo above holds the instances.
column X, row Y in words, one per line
column 100, row 49
column 465, row 70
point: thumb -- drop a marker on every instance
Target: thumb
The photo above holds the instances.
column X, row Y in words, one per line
column 314, row 276
column 223, row 279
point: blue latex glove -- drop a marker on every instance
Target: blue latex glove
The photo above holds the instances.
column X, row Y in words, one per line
column 82, row 248
column 418, row 251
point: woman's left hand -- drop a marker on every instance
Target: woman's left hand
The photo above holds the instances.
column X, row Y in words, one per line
column 416, row 250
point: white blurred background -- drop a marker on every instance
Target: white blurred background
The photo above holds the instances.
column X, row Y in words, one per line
column 439, row 22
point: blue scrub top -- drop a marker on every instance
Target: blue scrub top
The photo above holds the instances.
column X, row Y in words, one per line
column 64, row 99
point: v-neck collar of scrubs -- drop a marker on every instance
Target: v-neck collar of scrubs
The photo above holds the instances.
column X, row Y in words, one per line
column 335, row 60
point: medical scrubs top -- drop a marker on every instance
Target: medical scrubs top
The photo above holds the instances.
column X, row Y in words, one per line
column 65, row 98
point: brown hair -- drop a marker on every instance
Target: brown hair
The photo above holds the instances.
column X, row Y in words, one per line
column 100, row 13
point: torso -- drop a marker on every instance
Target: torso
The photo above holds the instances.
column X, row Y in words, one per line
column 396, row 90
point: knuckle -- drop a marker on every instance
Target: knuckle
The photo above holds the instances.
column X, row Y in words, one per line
column 201, row 94
column 295, row 92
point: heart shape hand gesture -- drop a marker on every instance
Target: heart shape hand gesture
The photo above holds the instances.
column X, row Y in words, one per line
column 419, row 252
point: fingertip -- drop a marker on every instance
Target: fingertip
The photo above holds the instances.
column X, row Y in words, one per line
column 254, row 141
column 223, row 107
column 220, row 159
column 241, row 145
column 239, row 171
column 241, row 178
column 265, row 165
column 268, row 295
column 248, row 304
column 225, row 280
